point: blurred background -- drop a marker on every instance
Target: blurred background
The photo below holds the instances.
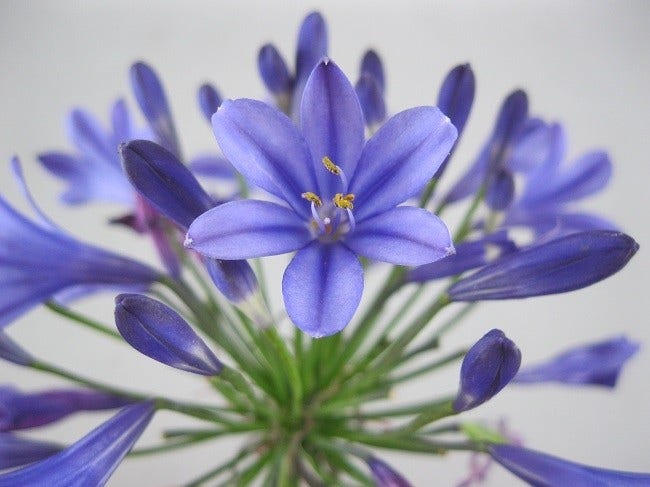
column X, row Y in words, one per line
column 583, row 63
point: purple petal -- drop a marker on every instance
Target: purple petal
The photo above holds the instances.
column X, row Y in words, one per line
column 89, row 136
column 264, row 145
column 469, row 255
column 12, row 352
column 246, row 229
column 212, row 167
column 273, row 70
column 332, row 123
column 123, row 129
column 151, row 97
column 457, row 95
column 209, row 100
column 16, row 451
column 27, row 410
column 312, row 46
column 594, row 364
column 561, row 265
column 487, row 368
column 91, row 460
column 234, row 278
column 384, row 475
column 164, row 181
column 402, row 236
column 36, row 263
column 542, row 470
column 371, row 100
column 500, row 191
column 159, row 332
column 371, row 65
column 400, row 159
column 322, row 288
column 536, row 144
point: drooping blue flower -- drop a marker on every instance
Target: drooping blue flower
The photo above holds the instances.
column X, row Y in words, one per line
column 91, row 460
column 340, row 193
column 594, row 364
column 39, row 261
column 159, row 332
column 20, row 410
column 94, row 173
column 285, row 87
column 542, row 470
column 547, row 202
column 174, row 191
column 16, row 451
column 561, row 265
column 384, row 475
column 487, row 368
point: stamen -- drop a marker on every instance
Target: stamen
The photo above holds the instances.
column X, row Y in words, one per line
column 331, row 167
column 344, row 201
column 351, row 220
column 313, row 197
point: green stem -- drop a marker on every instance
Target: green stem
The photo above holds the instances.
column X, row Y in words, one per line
column 447, row 359
column 241, row 455
column 83, row 320
column 402, row 411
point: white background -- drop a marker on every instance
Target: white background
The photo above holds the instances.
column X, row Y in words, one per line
column 583, row 63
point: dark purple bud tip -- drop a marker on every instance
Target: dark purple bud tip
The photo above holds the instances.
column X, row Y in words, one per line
column 159, row 332
column 273, row 70
column 572, row 262
column 209, row 100
column 487, row 368
column 384, row 475
column 457, row 95
column 11, row 352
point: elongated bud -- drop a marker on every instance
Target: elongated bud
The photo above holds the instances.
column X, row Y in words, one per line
column 371, row 65
column 371, row 99
column 538, row 468
column 384, row 475
column 594, row 364
column 209, row 100
column 159, row 332
column 457, row 95
column 234, row 278
column 12, row 352
column 501, row 190
column 487, row 368
column 558, row 266
column 16, row 451
column 273, row 70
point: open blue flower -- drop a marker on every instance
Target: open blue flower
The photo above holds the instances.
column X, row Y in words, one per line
column 341, row 194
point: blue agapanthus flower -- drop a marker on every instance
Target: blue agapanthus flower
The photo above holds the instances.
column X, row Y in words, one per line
column 340, row 193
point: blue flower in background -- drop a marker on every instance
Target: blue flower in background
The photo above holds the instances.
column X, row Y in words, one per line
column 341, row 194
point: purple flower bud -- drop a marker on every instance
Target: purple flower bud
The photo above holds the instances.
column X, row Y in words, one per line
column 11, row 352
column 542, row 470
column 487, row 368
column 273, row 70
column 91, row 460
column 500, row 191
column 163, row 180
column 27, row 410
column 371, row 100
column 234, row 278
column 16, row 451
column 371, row 65
column 159, row 332
column 457, row 95
column 151, row 97
column 209, row 100
column 571, row 262
column 384, row 475
column 594, row 364
column 312, row 46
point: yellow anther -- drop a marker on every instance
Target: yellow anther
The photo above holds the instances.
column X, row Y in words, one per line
column 344, row 200
column 313, row 197
column 330, row 166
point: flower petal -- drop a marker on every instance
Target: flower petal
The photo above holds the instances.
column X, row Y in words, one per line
column 322, row 288
column 384, row 475
column 400, row 159
column 595, row 364
column 246, row 229
column 273, row 70
column 371, row 100
column 457, row 95
column 211, row 166
column 164, row 181
column 91, row 460
column 487, row 368
column 311, row 47
column 371, row 65
column 151, row 97
column 542, row 470
column 89, row 136
column 561, row 265
column 12, row 352
column 234, row 278
column 402, row 236
column 332, row 123
column 159, row 332
column 265, row 146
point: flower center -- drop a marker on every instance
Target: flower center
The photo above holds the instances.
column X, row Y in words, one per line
column 333, row 219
